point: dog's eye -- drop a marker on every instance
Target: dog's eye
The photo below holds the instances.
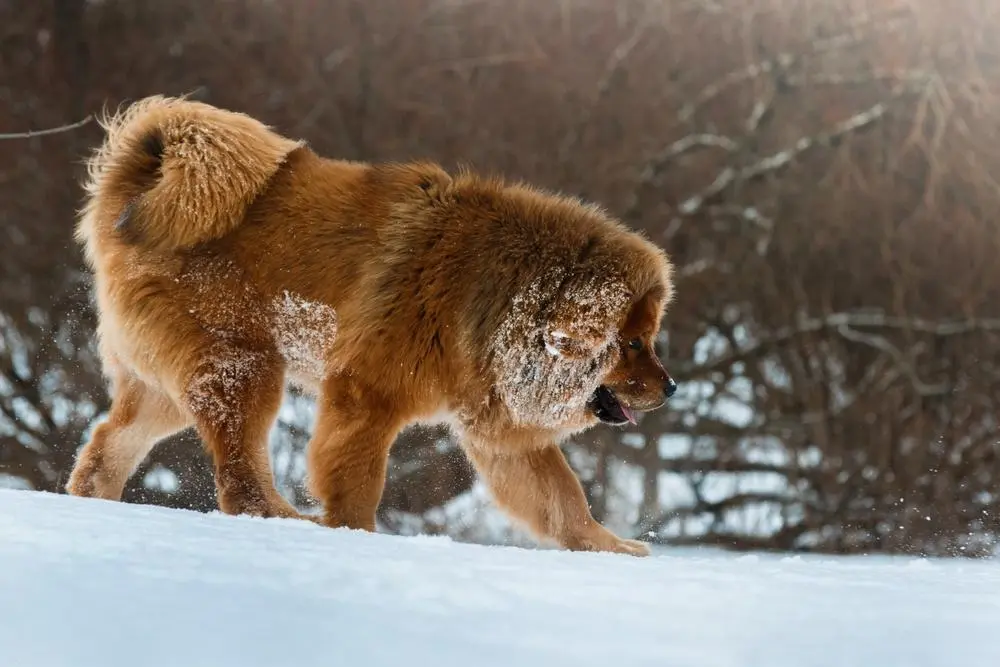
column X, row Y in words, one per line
column 635, row 344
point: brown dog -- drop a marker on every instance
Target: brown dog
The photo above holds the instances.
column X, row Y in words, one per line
column 230, row 260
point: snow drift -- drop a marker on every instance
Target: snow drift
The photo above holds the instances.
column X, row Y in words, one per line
column 88, row 583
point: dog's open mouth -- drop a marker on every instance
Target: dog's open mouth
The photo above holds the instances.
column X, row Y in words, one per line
column 606, row 407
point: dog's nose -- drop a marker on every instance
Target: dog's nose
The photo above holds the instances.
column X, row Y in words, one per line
column 669, row 387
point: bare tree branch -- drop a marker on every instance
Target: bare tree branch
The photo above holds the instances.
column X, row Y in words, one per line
column 835, row 321
column 716, row 88
column 717, row 507
column 614, row 64
column 689, row 466
column 780, row 159
column 42, row 133
column 785, row 60
column 682, row 146
column 880, row 343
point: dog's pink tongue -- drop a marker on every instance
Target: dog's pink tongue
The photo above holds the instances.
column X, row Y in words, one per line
column 629, row 415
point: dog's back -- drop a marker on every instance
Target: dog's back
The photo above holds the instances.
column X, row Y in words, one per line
column 198, row 218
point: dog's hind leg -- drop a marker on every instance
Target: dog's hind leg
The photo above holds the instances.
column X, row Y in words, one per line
column 234, row 394
column 140, row 417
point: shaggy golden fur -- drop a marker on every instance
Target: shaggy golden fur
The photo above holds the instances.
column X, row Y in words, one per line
column 230, row 261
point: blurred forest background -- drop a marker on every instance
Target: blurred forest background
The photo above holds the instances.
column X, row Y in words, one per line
column 825, row 175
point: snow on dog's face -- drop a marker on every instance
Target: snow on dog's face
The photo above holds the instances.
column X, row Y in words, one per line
column 577, row 349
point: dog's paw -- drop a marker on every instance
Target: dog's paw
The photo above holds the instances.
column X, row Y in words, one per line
column 605, row 540
column 266, row 504
column 632, row 547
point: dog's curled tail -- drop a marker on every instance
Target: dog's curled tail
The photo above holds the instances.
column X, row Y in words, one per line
column 173, row 173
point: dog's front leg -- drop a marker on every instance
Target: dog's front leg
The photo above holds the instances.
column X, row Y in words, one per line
column 538, row 487
column 349, row 451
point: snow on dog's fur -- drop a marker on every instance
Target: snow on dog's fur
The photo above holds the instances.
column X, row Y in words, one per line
column 230, row 260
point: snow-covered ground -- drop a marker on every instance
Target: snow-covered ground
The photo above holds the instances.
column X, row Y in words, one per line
column 87, row 583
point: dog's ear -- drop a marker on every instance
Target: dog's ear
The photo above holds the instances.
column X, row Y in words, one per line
column 432, row 180
column 568, row 339
column 647, row 311
column 586, row 316
column 416, row 183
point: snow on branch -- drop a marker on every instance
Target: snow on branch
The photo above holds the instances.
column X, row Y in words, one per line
column 784, row 61
column 776, row 161
column 683, row 145
column 748, row 73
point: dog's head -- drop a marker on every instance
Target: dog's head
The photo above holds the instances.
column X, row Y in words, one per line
column 616, row 339
column 578, row 347
column 637, row 382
